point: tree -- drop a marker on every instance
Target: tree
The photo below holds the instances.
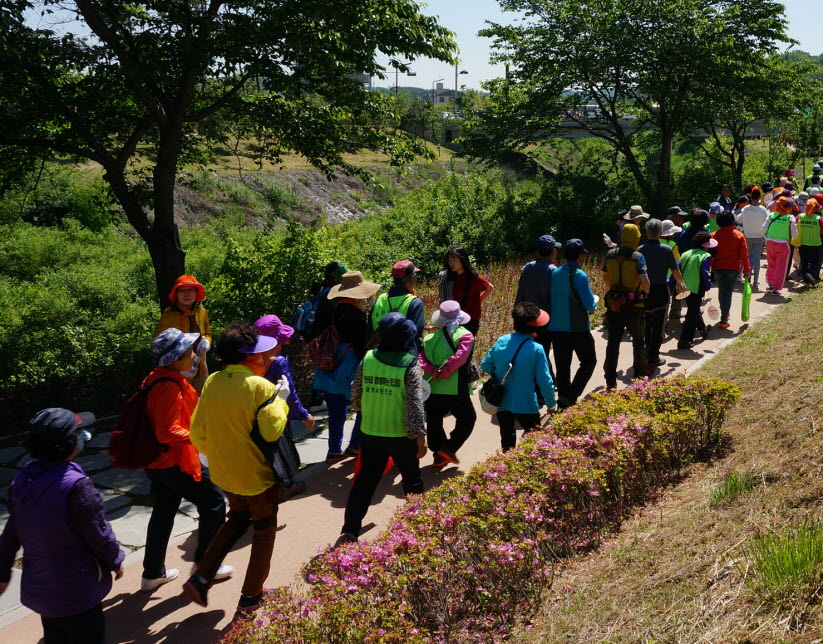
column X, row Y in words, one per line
column 636, row 66
column 115, row 81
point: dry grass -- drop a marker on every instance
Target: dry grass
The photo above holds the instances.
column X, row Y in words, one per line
column 497, row 308
column 675, row 573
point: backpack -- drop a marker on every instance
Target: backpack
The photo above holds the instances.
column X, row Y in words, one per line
column 323, row 349
column 281, row 455
column 306, row 314
column 133, row 444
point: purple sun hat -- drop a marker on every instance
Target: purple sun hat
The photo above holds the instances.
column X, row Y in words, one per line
column 273, row 327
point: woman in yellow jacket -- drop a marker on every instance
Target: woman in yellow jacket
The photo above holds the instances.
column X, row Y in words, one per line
column 188, row 314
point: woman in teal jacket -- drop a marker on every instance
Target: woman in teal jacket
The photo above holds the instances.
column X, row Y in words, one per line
column 530, row 368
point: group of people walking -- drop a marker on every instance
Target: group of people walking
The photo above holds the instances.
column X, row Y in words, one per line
column 375, row 355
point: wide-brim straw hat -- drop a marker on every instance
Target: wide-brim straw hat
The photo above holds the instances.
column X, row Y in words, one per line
column 354, row 286
column 636, row 212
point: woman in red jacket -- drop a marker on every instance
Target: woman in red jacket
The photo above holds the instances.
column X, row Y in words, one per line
column 176, row 474
column 731, row 253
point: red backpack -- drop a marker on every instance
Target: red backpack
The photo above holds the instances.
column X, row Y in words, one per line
column 323, row 349
column 133, row 444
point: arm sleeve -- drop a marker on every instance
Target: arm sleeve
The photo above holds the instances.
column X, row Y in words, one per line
column 543, row 377
column 671, row 261
column 487, row 364
column 743, row 254
column 356, row 393
column 9, row 545
column 296, row 409
column 416, row 315
column 87, row 519
column 793, row 226
column 482, row 283
column 205, row 328
column 640, row 263
column 705, row 272
column 424, row 363
column 197, row 431
column 166, row 409
column 584, row 290
column 414, row 416
column 460, row 357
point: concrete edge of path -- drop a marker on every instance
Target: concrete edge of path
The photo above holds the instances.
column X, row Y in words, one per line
column 729, row 341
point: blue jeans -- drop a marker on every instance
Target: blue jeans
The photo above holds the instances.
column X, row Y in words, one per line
column 755, row 245
column 338, row 407
column 726, row 279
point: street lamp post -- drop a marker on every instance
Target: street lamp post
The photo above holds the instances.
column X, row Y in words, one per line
column 433, row 84
column 456, row 87
column 397, row 64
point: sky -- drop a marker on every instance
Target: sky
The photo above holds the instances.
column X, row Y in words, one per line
column 466, row 17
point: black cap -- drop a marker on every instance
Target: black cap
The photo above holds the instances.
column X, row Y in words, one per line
column 56, row 423
column 576, row 244
column 675, row 210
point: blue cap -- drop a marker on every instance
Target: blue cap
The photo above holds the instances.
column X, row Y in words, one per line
column 576, row 244
column 56, row 423
column 546, row 244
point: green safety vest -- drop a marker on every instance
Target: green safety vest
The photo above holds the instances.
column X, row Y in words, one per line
column 385, row 305
column 690, row 263
column 673, row 245
column 438, row 351
column 780, row 227
column 810, row 230
column 383, row 403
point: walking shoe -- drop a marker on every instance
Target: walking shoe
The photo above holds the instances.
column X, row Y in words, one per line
column 611, row 384
column 722, row 325
column 335, row 457
column 346, row 537
column 249, row 604
column 351, row 451
column 684, row 346
column 319, row 407
column 149, row 585
column 298, row 487
column 439, row 461
column 197, row 590
column 223, row 572
column 449, row 457
column 645, row 372
column 807, row 277
column 657, row 362
column 705, row 332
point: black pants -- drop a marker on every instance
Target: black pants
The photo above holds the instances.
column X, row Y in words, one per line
column 460, row 406
column 374, row 454
column 169, row 487
column 810, row 261
column 85, row 628
column 634, row 323
column 508, row 435
column 566, row 344
column 694, row 319
column 657, row 303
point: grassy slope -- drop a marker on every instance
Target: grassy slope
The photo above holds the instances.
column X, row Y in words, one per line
column 672, row 574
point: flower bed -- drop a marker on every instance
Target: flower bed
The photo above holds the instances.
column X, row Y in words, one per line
column 464, row 561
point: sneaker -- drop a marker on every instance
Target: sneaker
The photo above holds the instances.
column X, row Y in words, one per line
column 439, row 461
column 335, row 457
column 320, row 407
column 149, row 585
column 223, row 572
column 722, row 325
column 351, row 451
column 611, row 384
column 449, row 457
column 684, row 346
column 658, row 362
column 249, row 604
column 197, row 589
column 807, row 277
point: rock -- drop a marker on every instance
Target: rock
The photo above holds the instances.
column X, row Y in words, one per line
column 135, row 482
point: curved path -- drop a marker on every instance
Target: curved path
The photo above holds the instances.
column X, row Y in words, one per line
column 309, row 522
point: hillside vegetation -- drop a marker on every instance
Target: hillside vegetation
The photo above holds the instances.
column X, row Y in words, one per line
column 735, row 553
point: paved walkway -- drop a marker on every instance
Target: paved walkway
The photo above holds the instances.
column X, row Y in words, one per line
column 306, row 523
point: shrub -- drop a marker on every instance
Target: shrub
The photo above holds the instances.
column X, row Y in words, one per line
column 464, row 561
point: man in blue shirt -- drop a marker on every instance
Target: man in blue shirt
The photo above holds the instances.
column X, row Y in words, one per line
column 572, row 301
column 535, row 285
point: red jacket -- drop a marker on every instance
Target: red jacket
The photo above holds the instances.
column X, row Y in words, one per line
column 170, row 406
column 732, row 250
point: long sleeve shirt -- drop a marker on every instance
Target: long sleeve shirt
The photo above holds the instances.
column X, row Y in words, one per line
column 414, row 415
column 535, row 283
column 731, row 252
column 460, row 357
column 281, row 367
column 531, row 367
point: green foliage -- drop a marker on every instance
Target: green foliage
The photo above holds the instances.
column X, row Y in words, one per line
column 733, row 485
column 786, row 568
column 269, row 274
column 58, row 193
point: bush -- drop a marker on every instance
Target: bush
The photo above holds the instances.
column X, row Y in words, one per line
column 464, row 561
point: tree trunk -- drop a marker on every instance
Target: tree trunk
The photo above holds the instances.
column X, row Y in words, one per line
column 167, row 256
column 664, row 175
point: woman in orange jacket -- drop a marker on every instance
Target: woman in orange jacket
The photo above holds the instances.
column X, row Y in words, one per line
column 188, row 314
column 176, row 473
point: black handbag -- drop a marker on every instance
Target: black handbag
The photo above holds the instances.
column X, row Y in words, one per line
column 281, row 454
column 491, row 393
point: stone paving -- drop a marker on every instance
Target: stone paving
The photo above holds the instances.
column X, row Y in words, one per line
column 126, row 496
